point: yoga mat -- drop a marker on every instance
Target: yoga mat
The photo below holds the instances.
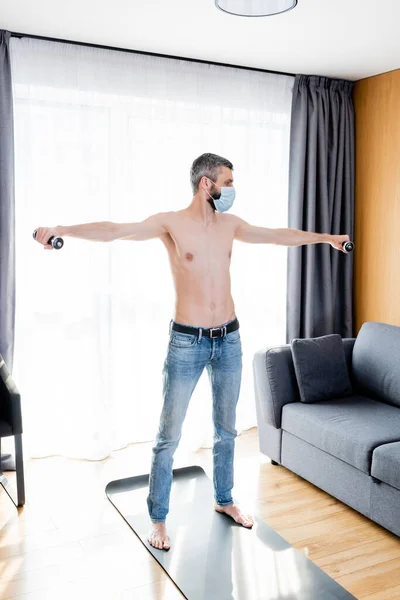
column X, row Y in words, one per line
column 213, row 558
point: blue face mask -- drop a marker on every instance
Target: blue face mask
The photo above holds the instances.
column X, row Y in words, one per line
column 225, row 201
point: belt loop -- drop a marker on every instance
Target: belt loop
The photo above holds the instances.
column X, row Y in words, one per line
column 200, row 335
column 170, row 326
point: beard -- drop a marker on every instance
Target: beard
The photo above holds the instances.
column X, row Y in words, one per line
column 216, row 195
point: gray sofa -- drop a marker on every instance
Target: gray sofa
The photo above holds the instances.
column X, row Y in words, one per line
column 348, row 446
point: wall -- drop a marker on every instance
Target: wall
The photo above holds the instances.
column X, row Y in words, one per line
column 377, row 200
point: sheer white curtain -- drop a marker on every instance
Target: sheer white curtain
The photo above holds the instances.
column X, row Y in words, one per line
column 110, row 136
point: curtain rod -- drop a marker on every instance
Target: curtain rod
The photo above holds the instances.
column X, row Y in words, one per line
column 196, row 60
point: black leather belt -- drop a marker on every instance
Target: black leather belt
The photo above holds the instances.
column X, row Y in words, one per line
column 213, row 332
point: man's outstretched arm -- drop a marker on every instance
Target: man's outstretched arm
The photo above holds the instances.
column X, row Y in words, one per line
column 107, row 231
column 252, row 234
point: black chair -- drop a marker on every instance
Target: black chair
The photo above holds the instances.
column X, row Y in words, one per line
column 11, row 424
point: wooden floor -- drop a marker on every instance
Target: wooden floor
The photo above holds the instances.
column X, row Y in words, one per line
column 68, row 542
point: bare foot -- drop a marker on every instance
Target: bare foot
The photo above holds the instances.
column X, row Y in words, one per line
column 158, row 537
column 237, row 515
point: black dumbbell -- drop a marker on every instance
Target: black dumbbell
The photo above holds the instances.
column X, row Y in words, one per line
column 348, row 246
column 56, row 242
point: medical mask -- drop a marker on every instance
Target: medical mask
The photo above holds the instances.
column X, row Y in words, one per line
column 225, row 201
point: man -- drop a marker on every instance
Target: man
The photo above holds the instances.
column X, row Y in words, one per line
column 205, row 331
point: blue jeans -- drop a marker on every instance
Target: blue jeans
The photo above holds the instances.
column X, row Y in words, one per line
column 188, row 355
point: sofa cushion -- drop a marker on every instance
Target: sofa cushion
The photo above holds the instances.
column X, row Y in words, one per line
column 376, row 362
column 321, row 368
column 348, row 428
column 386, row 464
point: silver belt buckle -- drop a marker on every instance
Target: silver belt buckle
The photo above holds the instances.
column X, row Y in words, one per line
column 223, row 329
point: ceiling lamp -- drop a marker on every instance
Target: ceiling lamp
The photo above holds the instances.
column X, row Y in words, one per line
column 255, row 8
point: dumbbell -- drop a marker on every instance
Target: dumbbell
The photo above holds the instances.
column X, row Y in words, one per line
column 56, row 242
column 348, row 246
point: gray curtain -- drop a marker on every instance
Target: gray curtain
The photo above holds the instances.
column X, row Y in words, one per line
column 7, row 207
column 321, row 199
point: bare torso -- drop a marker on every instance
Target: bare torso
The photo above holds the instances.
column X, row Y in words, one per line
column 200, row 257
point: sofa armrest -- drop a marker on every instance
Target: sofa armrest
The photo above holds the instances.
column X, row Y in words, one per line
column 10, row 400
column 275, row 382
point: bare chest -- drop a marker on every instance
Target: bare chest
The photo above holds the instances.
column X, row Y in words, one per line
column 196, row 246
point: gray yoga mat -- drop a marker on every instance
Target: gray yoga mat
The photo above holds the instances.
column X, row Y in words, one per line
column 213, row 558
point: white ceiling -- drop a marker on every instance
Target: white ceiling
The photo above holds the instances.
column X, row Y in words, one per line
column 352, row 39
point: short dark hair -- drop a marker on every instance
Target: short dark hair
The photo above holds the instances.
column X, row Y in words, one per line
column 207, row 165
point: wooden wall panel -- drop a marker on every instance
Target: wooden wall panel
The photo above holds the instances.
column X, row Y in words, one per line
column 377, row 200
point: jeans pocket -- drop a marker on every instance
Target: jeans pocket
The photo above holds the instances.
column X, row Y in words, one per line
column 233, row 337
column 182, row 340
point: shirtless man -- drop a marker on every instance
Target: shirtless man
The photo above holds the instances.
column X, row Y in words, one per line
column 205, row 331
